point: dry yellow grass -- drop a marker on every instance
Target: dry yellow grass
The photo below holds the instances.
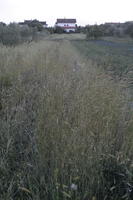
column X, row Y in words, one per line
column 62, row 121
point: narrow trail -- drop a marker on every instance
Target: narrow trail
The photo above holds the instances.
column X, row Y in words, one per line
column 120, row 58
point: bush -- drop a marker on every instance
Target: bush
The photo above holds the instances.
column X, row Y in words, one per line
column 10, row 35
column 13, row 34
column 26, row 33
column 94, row 32
column 59, row 30
column 129, row 30
column 51, row 30
column 35, row 24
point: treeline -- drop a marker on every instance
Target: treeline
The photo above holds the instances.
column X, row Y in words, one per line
column 109, row 29
column 102, row 30
column 14, row 34
column 60, row 30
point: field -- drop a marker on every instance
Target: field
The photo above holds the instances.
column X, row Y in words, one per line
column 65, row 119
column 115, row 55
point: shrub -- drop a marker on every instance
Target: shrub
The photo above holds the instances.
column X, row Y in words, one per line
column 13, row 34
column 94, row 32
column 10, row 35
column 35, row 24
column 129, row 30
column 58, row 29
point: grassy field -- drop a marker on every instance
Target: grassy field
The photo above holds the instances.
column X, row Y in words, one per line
column 115, row 55
column 65, row 122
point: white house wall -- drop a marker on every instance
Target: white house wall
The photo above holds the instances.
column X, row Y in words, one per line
column 68, row 30
column 66, row 24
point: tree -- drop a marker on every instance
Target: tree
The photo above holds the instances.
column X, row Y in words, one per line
column 10, row 35
column 129, row 30
column 80, row 29
column 59, row 30
column 36, row 24
column 94, row 32
column 51, row 30
column 2, row 24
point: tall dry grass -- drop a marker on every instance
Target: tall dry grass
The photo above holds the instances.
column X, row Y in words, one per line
column 66, row 129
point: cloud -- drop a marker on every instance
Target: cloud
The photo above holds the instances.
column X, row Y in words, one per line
column 86, row 11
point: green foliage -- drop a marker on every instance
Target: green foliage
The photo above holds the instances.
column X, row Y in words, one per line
column 112, row 54
column 36, row 24
column 2, row 24
column 58, row 29
column 13, row 34
column 10, row 35
column 51, row 30
column 5, row 81
column 107, row 29
column 129, row 30
column 94, row 32
column 25, row 32
column 116, row 177
column 65, row 126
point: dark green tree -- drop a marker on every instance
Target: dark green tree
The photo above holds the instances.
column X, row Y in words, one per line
column 10, row 35
column 94, row 32
column 59, row 30
column 129, row 30
column 36, row 24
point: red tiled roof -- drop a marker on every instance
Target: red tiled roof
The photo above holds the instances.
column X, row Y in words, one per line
column 66, row 21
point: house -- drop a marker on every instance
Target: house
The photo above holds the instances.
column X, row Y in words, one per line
column 68, row 25
column 44, row 24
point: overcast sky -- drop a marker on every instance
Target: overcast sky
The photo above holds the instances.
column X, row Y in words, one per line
column 85, row 11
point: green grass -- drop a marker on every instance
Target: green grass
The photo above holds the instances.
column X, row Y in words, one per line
column 116, row 60
column 65, row 124
column 123, row 40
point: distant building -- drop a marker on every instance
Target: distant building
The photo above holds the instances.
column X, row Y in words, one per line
column 27, row 22
column 68, row 25
column 44, row 24
column 22, row 24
